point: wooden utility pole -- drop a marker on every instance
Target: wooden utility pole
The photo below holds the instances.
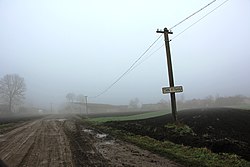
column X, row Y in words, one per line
column 86, row 100
column 170, row 71
column 51, row 107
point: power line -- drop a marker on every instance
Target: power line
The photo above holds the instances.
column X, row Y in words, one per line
column 172, row 28
column 199, row 20
column 128, row 70
column 148, row 57
column 133, row 66
column 192, row 15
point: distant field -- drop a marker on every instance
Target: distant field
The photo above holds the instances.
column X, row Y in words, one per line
column 244, row 106
column 126, row 116
column 131, row 117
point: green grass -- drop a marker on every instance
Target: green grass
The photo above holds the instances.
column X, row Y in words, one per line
column 180, row 128
column 130, row 117
column 187, row 156
column 243, row 106
column 6, row 125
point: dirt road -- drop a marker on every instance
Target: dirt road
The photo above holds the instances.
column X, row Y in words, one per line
column 56, row 141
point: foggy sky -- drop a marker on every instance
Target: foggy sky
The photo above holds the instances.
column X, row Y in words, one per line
column 83, row 46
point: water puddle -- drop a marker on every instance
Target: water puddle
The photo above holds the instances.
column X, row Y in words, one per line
column 100, row 136
column 87, row 130
column 61, row 120
column 110, row 142
column 103, row 140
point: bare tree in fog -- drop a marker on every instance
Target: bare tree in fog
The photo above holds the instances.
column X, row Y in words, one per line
column 12, row 88
column 134, row 103
column 71, row 97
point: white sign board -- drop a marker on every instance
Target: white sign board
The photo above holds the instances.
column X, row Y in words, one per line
column 175, row 89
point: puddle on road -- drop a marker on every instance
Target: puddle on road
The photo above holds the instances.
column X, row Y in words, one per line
column 110, row 142
column 61, row 120
column 97, row 135
column 100, row 136
column 87, row 130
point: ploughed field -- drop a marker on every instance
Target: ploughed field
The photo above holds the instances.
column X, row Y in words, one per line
column 222, row 130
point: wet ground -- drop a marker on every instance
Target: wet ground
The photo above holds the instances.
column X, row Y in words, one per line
column 67, row 141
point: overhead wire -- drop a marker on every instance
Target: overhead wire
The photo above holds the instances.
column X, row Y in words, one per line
column 192, row 15
column 176, row 26
column 199, row 20
column 128, row 70
column 133, row 66
column 148, row 57
column 153, row 51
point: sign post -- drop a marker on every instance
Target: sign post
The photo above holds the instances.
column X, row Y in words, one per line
column 172, row 89
column 176, row 89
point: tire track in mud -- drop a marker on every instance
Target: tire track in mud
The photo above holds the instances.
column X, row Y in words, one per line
column 39, row 143
column 51, row 146
column 84, row 152
column 15, row 144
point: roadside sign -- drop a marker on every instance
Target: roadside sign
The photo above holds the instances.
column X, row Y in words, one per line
column 175, row 89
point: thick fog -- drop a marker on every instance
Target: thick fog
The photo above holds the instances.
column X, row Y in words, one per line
column 84, row 46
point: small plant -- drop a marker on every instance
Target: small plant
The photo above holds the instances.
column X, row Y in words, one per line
column 180, row 128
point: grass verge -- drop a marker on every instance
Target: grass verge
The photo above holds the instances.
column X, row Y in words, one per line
column 6, row 125
column 185, row 155
column 130, row 117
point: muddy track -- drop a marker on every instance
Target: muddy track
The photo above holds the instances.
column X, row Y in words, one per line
column 39, row 143
column 56, row 141
column 84, row 152
column 103, row 150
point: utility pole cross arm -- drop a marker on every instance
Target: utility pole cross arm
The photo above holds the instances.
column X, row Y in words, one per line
column 162, row 31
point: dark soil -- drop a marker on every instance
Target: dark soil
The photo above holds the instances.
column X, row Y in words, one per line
column 223, row 130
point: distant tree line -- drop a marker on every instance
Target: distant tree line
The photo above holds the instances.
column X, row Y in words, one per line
column 239, row 101
column 72, row 98
column 75, row 103
column 210, row 101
